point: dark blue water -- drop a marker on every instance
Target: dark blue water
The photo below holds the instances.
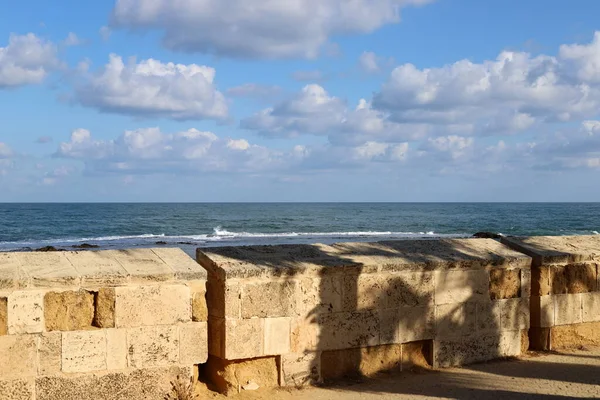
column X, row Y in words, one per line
column 25, row 226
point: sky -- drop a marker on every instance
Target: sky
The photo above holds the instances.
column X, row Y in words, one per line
column 299, row 100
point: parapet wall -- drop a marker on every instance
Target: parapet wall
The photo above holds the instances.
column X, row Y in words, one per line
column 565, row 294
column 102, row 325
column 313, row 313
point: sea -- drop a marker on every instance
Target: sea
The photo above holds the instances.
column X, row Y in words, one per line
column 26, row 227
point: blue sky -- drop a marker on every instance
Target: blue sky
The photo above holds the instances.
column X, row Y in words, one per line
column 303, row 100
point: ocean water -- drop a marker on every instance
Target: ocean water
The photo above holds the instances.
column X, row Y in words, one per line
column 115, row 226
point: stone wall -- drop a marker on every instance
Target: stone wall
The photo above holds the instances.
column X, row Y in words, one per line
column 101, row 325
column 290, row 315
column 565, row 294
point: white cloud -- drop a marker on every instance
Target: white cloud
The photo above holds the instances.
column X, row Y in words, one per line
column 5, row 151
column 368, row 62
column 72, row 40
column 26, row 60
column 257, row 28
column 151, row 88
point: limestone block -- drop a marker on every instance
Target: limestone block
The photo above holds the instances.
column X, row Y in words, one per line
column 380, row 358
column 515, row 314
column 505, row 283
column 152, row 305
column 510, row 343
column 83, row 351
column 559, row 280
column 97, row 268
column 581, row 278
column 567, row 309
column 410, row 289
column 150, row 384
column 542, row 311
column 277, row 333
column 183, row 265
column 193, row 343
column 48, row 269
column 417, row 355
column 19, row 356
column 407, row 324
column 243, row 338
column 50, row 353
column 301, row 369
column 68, row 310
column 466, row 350
column 347, row 330
column 153, row 346
column 17, row 389
column 541, row 281
column 590, row 302
column 525, row 283
column 11, row 275
column 26, row 312
column 116, row 349
column 142, row 265
column 269, row 299
column 230, row 376
column 224, row 299
column 105, row 308
column 199, row 306
column 363, row 292
column 304, row 335
column 344, row 364
column 575, row 335
column 455, row 319
column 3, row 316
column 489, row 316
column 461, row 286
column 319, row 295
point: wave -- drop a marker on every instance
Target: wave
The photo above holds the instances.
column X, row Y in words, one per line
column 219, row 235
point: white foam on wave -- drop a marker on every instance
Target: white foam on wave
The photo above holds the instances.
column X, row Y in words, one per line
column 596, row 232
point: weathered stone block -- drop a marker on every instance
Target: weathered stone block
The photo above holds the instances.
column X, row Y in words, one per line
column 199, row 307
column 581, row 278
column 542, row 311
column 152, row 384
column 83, row 351
column 152, row 305
column 19, row 356
column 18, row 389
column 525, row 283
column 417, row 355
column 466, row 350
column 567, row 309
column 50, row 353
column 344, row 364
column 510, row 343
column 224, row 299
column 116, row 349
column 455, row 319
column 363, row 292
column 541, row 281
column 461, row 286
column 26, row 312
column 590, row 303
column 216, row 337
column 277, row 333
column 539, row 338
column 193, row 343
column 304, row 335
column 142, row 265
column 348, row 330
column 515, row 314
column 230, row 376
column 153, row 346
column 575, row 335
column 105, row 308
column 489, row 316
column 559, row 281
column 243, row 338
column 269, row 299
column 3, row 316
column 407, row 324
column 97, row 268
column 319, row 295
column 68, row 310
column 505, row 284
column 48, row 269
column 11, row 275
column 411, row 289
column 183, row 265
column 301, row 369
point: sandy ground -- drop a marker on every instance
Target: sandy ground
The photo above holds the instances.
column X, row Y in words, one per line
column 568, row 374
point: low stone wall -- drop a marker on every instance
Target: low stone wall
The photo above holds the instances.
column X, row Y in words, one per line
column 565, row 297
column 290, row 315
column 101, row 325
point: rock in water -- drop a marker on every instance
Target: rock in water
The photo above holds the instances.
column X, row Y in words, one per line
column 487, row 235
